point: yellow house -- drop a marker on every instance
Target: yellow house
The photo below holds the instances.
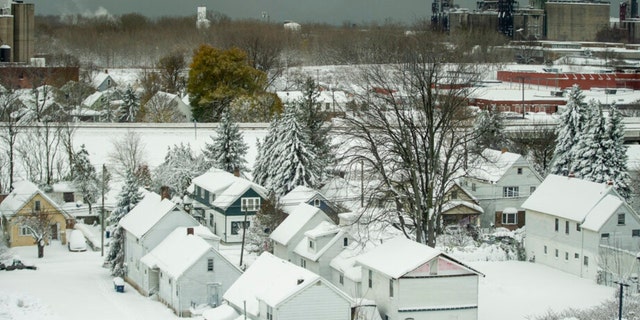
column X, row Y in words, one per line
column 461, row 207
column 27, row 209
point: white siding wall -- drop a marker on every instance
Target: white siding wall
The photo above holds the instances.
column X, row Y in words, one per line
column 541, row 232
column 297, row 237
column 437, row 292
column 165, row 226
column 133, row 252
column 316, row 302
column 350, row 287
column 379, row 292
column 223, row 226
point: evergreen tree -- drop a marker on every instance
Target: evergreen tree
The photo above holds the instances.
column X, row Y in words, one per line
column 589, row 160
column 266, row 154
column 127, row 199
column 178, row 168
column 569, row 130
column 295, row 162
column 489, row 127
column 128, row 111
column 85, row 178
column 227, row 149
column 617, row 154
column 313, row 119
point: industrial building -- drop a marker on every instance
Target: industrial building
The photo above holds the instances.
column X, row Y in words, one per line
column 17, row 28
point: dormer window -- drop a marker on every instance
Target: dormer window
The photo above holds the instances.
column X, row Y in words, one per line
column 212, row 197
column 316, row 202
column 519, row 170
column 345, row 242
column 311, row 244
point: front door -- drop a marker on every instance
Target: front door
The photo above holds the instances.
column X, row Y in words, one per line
column 54, row 232
column 212, row 293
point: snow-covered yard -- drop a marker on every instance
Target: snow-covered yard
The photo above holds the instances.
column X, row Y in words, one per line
column 74, row 285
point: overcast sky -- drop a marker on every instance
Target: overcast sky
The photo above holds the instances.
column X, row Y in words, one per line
column 329, row 11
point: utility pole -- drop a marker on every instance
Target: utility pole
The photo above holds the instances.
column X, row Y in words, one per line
column 102, row 213
column 244, row 232
column 622, row 285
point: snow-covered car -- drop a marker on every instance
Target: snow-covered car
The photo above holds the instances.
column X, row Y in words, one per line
column 77, row 241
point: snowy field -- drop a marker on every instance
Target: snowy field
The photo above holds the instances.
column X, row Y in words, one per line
column 74, row 286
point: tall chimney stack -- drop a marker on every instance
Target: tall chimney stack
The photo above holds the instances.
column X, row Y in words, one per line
column 164, row 193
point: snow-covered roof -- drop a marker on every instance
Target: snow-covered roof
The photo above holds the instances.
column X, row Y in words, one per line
column 91, row 100
column 566, row 197
column 221, row 312
column 597, row 217
column 492, row 165
column 324, row 228
column 100, row 78
column 64, row 186
column 226, row 186
column 398, row 257
column 146, row 214
column 297, row 218
column 345, row 261
column 271, row 280
column 22, row 192
column 177, row 252
column 300, row 194
column 454, row 203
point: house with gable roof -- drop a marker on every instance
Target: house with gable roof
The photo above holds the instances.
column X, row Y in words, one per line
column 319, row 246
column 272, row 288
column 409, row 280
column 222, row 200
column 291, row 231
column 26, row 199
column 581, row 227
column 145, row 226
column 304, row 194
column 187, row 271
column 103, row 81
column 501, row 181
column 461, row 207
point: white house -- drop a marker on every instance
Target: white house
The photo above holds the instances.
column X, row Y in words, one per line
column 319, row 246
column 187, row 271
column 409, row 280
column 580, row 227
column 146, row 225
column 291, row 231
column 304, row 194
column 501, row 180
column 273, row 288
column 222, row 201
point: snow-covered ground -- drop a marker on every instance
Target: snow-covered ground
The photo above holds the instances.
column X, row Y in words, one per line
column 74, row 285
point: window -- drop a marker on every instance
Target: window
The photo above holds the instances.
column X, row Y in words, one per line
column 519, row 170
column 345, row 242
column 509, row 218
column 250, row 204
column 557, row 224
column 556, row 253
column 586, row 261
column 576, row 255
column 604, row 236
column 68, row 197
column 635, row 233
column 212, row 197
column 316, row 203
column 510, row 192
column 370, row 279
column 303, row 262
column 545, row 249
column 341, row 280
column 473, row 187
column 578, row 228
column 454, row 194
column 621, row 218
column 390, row 287
column 566, row 256
column 311, row 244
column 25, row 231
column 236, row 225
column 269, row 313
column 532, row 189
column 566, row 227
column 36, row 206
column 210, row 264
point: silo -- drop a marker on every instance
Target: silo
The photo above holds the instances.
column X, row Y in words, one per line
column 23, row 30
column 6, row 31
column 5, row 53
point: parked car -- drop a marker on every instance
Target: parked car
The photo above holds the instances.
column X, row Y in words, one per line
column 77, row 241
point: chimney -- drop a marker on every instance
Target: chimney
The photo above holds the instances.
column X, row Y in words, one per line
column 106, row 71
column 571, row 175
column 504, row 150
column 190, row 231
column 236, row 172
column 610, row 182
column 300, row 281
column 164, row 193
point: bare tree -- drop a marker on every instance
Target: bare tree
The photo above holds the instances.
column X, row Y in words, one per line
column 128, row 154
column 410, row 136
column 170, row 69
column 537, row 143
column 9, row 106
column 39, row 226
column 162, row 108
